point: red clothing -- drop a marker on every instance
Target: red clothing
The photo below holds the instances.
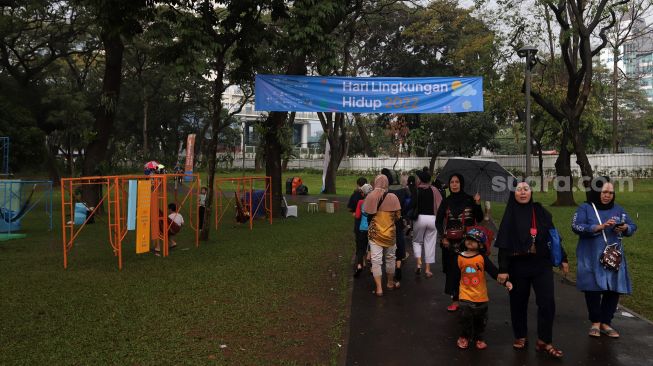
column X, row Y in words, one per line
column 357, row 214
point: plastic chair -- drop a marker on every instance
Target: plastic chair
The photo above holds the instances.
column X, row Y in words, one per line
column 291, row 211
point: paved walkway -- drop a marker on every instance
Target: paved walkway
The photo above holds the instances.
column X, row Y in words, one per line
column 410, row 326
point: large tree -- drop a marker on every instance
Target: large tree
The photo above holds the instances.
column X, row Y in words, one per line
column 118, row 21
column 301, row 39
column 579, row 21
column 231, row 37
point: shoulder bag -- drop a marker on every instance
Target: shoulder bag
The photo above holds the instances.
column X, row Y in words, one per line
column 611, row 257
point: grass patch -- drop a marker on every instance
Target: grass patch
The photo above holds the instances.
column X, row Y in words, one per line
column 274, row 295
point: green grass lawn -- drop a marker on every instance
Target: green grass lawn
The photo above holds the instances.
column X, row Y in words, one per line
column 273, row 295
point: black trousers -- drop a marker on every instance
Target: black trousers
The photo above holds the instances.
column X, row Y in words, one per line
column 361, row 246
column 601, row 305
column 535, row 272
column 473, row 319
column 452, row 272
column 400, row 253
column 201, row 218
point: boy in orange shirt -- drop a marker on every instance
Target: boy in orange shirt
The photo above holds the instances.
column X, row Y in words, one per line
column 473, row 264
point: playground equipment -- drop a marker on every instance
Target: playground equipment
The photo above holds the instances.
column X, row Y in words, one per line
column 20, row 197
column 125, row 210
column 257, row 203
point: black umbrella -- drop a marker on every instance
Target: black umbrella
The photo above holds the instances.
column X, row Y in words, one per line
column 483, row 176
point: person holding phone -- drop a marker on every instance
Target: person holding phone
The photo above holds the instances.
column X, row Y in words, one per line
column 600, row 222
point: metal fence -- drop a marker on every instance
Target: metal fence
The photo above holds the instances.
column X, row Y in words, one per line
column 614, row 165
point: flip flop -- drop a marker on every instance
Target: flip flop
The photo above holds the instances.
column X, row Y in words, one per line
column 610, row 332
column 594, row 332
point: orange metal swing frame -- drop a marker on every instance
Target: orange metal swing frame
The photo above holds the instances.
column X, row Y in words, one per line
column 114, row 198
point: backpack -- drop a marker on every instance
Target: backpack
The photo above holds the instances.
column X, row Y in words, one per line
column 365, row 218
column 364, row 225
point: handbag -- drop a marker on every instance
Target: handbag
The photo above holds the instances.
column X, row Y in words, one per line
column 454, row 233
column 611, row 256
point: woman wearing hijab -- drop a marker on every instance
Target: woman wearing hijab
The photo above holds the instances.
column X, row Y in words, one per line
column 384, row 209
column 602, row 287
column 456, row 213
column 525, row 258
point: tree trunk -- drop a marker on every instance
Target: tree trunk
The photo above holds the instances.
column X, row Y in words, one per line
column 333, row 125
column 273, row 123
column 540, row 161
column 581, row 156
column 564, row 195
column 432, row 161
column 615, row 101
column 51, row 163
column 145, row 110
column 216, row 127
column 96, row 151
column 362, row 133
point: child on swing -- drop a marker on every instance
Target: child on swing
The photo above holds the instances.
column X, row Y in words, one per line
column 175, row 223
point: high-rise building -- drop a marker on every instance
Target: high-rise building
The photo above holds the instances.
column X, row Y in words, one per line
column 638, row 58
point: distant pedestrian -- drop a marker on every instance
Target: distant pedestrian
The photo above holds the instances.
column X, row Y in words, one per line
column 359, row 232
column 426, row 202
column 600, row 222
column 457, row 212
column 384, row 209
column 403, row 195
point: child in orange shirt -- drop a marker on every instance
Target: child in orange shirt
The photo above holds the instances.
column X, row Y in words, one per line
column 473, row 264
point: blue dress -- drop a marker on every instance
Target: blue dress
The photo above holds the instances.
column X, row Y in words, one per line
column 590, row 275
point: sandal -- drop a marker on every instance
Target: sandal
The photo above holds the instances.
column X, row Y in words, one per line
column 609, row 331
column 520, row 343
column 462, row 343
column 452, row 308
column 418, row 271
column 377, row 294
column 481, row 345
column 548, row 349
column 428, row 274
column 594, row 332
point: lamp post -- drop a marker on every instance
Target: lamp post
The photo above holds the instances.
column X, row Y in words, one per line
column 529, row 52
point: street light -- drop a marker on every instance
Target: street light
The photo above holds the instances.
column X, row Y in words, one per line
column 529, row 52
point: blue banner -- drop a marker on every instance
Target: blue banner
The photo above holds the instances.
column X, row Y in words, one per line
column 369, row 95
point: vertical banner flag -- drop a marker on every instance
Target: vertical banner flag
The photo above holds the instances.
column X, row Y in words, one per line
column 143, row 215
column 131, row 204
column 190, row 155
column 369, row 94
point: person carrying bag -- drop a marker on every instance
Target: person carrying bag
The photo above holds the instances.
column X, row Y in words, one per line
column 602, row 268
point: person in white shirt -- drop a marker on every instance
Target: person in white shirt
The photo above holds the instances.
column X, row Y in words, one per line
column 175, row 223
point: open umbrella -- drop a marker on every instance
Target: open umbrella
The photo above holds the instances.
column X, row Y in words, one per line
column 483, row 176
column 152, row 165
